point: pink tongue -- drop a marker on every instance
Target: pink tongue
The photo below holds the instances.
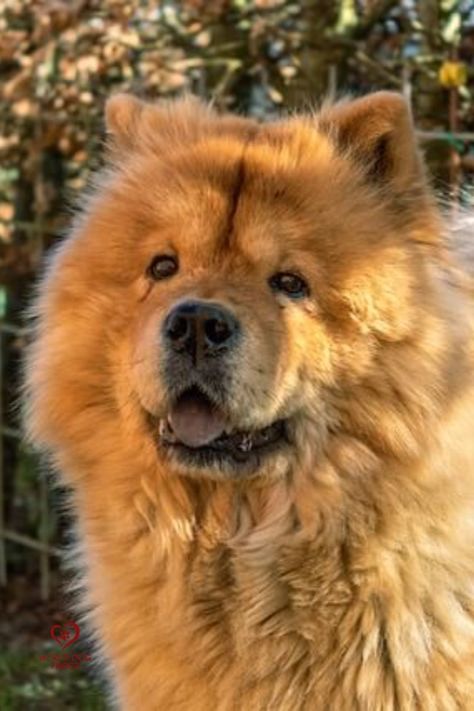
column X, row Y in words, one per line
column 195, row 422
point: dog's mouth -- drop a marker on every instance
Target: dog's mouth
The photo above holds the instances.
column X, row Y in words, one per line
column 197, row 429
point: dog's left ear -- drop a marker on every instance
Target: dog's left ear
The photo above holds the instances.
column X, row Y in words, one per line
column 377, row 132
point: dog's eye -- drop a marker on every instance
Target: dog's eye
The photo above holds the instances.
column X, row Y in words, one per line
column 162, row 266
column 290, row 284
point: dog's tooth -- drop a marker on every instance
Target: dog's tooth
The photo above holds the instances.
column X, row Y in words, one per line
column 245, row 445
column 165, row 431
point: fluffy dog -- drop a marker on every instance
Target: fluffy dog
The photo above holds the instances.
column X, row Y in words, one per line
column 252, row 367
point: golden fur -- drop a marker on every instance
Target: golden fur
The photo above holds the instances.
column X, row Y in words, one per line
column 339, row 574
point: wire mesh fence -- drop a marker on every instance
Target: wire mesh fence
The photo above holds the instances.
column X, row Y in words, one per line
column 40, row 543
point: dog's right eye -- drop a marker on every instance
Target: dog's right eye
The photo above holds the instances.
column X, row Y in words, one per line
column 162, row 266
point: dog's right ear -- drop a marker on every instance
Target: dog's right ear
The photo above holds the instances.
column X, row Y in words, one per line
column 122, row 117
column 133, row 123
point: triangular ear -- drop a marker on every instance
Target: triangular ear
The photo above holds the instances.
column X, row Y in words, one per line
column 377, row 132
column 122, row 116
column 132, row 123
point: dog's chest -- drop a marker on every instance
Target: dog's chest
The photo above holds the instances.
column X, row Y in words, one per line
column 270, row 602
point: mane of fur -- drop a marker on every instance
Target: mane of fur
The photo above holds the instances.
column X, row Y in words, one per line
column 345, row 584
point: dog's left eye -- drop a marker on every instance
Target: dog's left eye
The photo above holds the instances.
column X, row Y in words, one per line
column 290, row 284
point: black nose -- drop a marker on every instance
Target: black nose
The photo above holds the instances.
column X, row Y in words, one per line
column 201, row 328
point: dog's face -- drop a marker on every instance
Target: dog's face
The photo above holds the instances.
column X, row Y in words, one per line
column 232, row 283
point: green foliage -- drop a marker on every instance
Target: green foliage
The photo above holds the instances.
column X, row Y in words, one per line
column 27, row 683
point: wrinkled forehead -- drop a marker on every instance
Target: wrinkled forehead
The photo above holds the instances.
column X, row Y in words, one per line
column 267, row 189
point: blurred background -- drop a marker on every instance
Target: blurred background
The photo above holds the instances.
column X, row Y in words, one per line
column 58, row 63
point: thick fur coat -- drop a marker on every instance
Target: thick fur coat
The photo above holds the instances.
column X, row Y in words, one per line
column 335, row 569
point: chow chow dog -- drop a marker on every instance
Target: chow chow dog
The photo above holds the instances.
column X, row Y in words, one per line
column 251, row 366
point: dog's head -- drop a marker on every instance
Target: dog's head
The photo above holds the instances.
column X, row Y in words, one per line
column 235, row 290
